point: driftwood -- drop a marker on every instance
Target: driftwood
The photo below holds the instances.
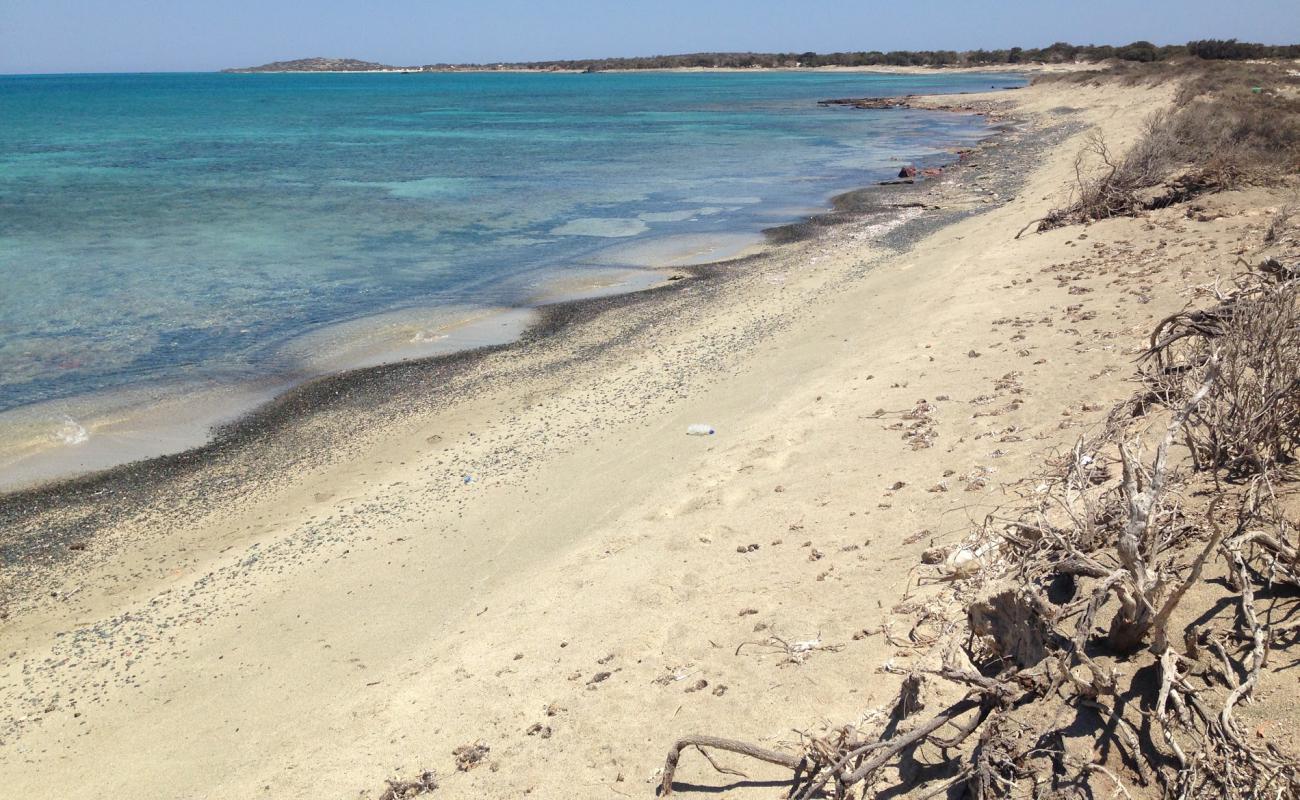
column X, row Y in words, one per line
column 730, row 746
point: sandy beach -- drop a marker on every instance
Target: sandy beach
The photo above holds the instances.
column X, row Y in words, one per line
column 520, row 547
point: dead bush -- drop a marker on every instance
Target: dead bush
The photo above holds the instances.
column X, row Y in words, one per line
column 1231, row 124
column 1251, row 422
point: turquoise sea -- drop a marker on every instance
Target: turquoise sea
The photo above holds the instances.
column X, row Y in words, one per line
column 161, row 228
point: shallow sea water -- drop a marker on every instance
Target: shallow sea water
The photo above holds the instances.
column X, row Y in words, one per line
column 195, row 229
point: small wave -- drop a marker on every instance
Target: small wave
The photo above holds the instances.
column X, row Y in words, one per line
column 680, row 216
column 724, row 201
column 606, row 227
column 425, row 337
column 70, row 432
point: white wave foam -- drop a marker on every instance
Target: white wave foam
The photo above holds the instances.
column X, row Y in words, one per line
column 425, row 337
column 70, row 432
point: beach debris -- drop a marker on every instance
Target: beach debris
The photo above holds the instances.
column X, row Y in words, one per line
column 539, row 730
column 469, row 756
column 913, row 538
column 700, row 429
column 426, row 783
column 674, row 674
column 934, row 555
column 917, row 424
column 908, row 171
column 795, row 652
column 467, row 479
column 966, row 561
column 977, row 479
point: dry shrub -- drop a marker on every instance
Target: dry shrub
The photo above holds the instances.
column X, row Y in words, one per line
column 1250, row 423
column 1281, row 223
column 1112, row 192
column 1231, row 124
column 1109, row 186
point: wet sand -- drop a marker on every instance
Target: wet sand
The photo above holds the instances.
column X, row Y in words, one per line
column 51, row 442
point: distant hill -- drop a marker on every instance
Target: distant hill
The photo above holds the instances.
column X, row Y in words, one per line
column 317, row 65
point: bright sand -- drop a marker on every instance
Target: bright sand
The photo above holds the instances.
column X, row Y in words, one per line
column 448, row 574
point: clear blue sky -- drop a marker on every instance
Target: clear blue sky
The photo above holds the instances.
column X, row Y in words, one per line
column 162, row 35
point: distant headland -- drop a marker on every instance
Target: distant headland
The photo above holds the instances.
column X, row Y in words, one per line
column 320, row 65
column 1059, row 53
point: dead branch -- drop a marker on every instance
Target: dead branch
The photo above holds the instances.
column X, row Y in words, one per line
column 729, row 745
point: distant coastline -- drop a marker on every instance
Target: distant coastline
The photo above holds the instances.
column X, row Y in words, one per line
column 1060, row 55
column 268, row 69
column 352, row 65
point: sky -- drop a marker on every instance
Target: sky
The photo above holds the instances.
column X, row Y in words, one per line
column 199, row 35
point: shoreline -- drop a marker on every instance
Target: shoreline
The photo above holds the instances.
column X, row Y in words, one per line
column 56, row 465
column 54, row 516
column 882, row 69
column 539, row 547
column 525, row 578
column 275, row 439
